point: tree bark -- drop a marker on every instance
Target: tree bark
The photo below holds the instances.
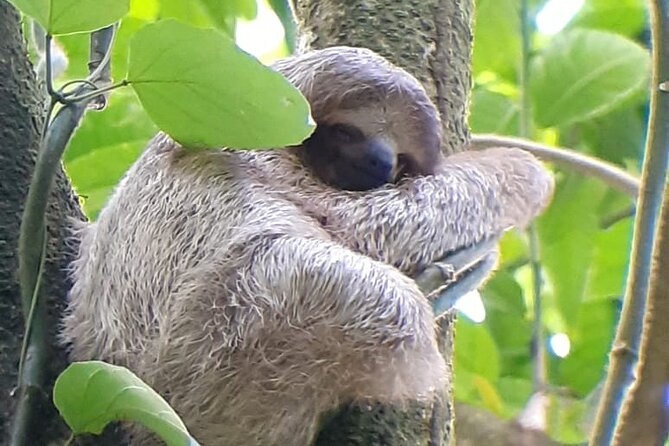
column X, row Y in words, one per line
column 431, row 39
column 22, row 109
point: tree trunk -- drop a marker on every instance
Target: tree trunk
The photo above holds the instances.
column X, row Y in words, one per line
column 432, row 39
column 22, row 109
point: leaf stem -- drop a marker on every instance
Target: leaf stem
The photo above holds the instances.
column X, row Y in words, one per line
column 95, row 93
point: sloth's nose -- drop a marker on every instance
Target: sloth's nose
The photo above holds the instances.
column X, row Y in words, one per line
column 379, row 160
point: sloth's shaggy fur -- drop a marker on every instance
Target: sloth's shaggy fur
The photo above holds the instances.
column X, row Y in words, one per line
column 254, row 298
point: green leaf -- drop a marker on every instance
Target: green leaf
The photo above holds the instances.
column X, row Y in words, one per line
column 567, row 234
column 591, row 334
column 583, row 74
column 90, row 395
column 73, row 16
column 626, row 17
column 222, row 10
column 94, row 200
column 95, row 174
column 515, row 392
column 507, row 322
column 144, row 9
column 618, row 136
column 513, row 248
column 124, row 121
column 476, row 351
column 205, row 92
column 186, row 11
column 610, row 261
column 105, row 146
column 496, row 37
column 493, row 113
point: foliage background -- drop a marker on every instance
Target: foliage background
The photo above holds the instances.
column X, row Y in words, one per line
column 588, row 91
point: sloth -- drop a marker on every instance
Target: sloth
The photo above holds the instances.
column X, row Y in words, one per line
column 255, row 295
column 373, row 131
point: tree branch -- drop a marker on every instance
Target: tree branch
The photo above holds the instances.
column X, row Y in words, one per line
column 624, row 354
column 612, row 175
column 644, row 415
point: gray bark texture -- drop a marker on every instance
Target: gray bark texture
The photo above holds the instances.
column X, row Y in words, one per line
column 22, row 109
column 431, row 39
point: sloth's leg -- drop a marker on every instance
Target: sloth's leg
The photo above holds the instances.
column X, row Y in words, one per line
column 365, row 330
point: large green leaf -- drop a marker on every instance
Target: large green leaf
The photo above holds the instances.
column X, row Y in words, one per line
column 73, row 16
column 186, row 11
column 105, row 146
column 567, row 234
column 225, row 12
column 477, row 366
column 200, row 88
column 493, row 112
column 90, row 395
column 515, row 392
column 591, row 334
column 585, row 73
column 95, row 174
column 507, row 322
column 618, row 136
column 123, row 121
column 610, row 261
column 475, row 350
column 497, row 37
column 622, row 16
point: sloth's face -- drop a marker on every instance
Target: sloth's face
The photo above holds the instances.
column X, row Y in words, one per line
column 344, row 157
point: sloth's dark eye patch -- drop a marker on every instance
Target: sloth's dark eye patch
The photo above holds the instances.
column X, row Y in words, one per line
column 345, row 133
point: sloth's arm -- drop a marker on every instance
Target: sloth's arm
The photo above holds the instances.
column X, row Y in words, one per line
column 474, row 196
column 367, row 314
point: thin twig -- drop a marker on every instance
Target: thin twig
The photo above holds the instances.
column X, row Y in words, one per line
column 102, row 44
column 538, row 349
column 624, row 354
column 612, row 175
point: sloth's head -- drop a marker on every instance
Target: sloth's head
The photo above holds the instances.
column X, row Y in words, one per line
column 375, row 123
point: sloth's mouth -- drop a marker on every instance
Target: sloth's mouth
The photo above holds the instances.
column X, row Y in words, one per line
column 458, row 273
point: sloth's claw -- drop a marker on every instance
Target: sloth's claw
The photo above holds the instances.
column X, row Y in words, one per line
column 465, row 282
column 458, row 273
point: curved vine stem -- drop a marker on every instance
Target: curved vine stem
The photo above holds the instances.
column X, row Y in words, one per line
column 610, row 174
column 33, row 238
column 624, row 354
